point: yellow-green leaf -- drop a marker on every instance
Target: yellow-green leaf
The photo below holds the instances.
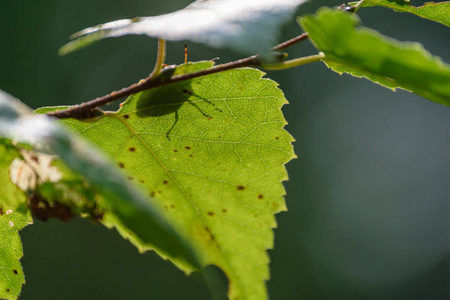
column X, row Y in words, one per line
column 211, row 151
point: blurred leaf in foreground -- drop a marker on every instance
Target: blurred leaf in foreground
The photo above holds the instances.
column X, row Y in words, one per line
column 115, row 195
column 363, row 52
column 211, row 151
column 249, row 26
column 438, row 12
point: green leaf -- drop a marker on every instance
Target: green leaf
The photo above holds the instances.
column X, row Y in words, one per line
column 116, row 196
column 13, row 217
column 438, row 12
column 363, row 52
column 211, row 151
column 249, row 26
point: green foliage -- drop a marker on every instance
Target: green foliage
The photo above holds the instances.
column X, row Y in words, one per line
column 117, row 198
column 363, row 52
column 194, row 168
column 13, row 217
column 211, row 152
column 438, row 12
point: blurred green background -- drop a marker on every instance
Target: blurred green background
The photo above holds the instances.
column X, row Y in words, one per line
column 368, row 196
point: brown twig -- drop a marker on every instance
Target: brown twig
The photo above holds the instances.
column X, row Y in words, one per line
column 85, row 110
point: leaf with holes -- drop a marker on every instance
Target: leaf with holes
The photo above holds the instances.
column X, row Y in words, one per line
column 438, row 12
column 211, row 151
column 363, row 52
column 13, row 217
column 249, row 26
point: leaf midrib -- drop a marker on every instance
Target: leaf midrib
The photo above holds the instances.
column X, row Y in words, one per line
column 116, row 116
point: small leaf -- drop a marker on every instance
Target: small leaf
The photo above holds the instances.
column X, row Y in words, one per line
column 13, row 217
column 363, row 52
column 249, row 26
column 438, row 12
column 119, row 198
column 211, row 151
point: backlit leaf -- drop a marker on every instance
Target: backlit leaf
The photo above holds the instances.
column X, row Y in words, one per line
column 211, row 151
column 363, row 52
column 13, row 217
column 438, row 12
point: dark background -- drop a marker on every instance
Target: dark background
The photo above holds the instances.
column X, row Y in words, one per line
column 368, row 196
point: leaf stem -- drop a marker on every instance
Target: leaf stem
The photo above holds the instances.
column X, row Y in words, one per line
column 161, row 57
column 86, row 109
column 294, row 62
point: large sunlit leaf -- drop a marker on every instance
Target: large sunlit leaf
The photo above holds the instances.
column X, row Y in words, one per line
column 13, row 217
column 363, row 52
column 211, row 151
column 249, row 26
column 438, row 12
column 116, row 196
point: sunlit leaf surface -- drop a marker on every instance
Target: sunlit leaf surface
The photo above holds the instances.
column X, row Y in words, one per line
column 363, row 52
column 211, row 151
column 13, row 217
column 438, row 12
column 249, row 26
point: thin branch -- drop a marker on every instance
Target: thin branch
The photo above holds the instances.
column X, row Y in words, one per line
column 86, row 110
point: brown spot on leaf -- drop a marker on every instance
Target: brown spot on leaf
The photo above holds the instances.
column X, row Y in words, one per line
column 165, row 182
column 121, row 165
column 7, row 290
column 15, row 271
column 240, row 187
column 224, row 210
column 190, row 155
column 172, row 206
column 277, row 137
column 35, row 158
column 132, row 149
column 260, row 196
column 152, row 194
column 187, row 148
column 130, row 178
column 186, row 91
column 175, row 150
column 141, row 181
column 210, row 118
column 210, row 213
column 1, row 210
column 126, row 117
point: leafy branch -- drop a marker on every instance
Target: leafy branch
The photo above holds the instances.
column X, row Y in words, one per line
column 163, row 76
